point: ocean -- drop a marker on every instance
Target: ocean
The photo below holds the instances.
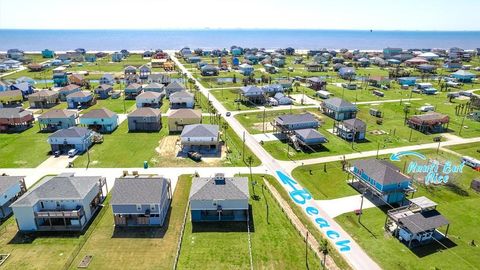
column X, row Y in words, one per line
column 111, row 40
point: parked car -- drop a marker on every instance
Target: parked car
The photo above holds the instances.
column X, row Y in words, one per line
column 228, row 114
column 427, row 108
column 72, row 152
column 56, row 153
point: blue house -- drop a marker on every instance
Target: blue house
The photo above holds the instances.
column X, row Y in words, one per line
column 289, row 122
column 117, row 57
column 278, row 62
column 464, row 76
column 429, row 91
column 67, row 90
column 246, row 69
column 25, row 87
column 382, row 178
column 235, row 61
column 60, row 79
column 389, row 52
column 237, row 51
column 339, row 109
column 53, row 120
column 90, row 58
column 346, row 73
column 219, row 198
column 103, row 91
column 48, row 53
column 409, row 81
column 81, row 99
column 107, row 79
column 194, row 59
column 11, row 188
column 100, row 120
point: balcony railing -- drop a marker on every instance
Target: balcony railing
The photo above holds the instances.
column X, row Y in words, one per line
column 60, row 214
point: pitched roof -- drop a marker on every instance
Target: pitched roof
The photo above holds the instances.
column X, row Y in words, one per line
column 58, row 114
column 149, row 94
column 200, row 130
column 79, row 94
column 309, row 133
column 104, row 87
column 185, row 113
column 234, row 188
column 107, row 76
column 143, row 190
column 289, row 119
column 355, row 123
column 431, row 117
column 181, row 94
column 153, row 85
column 423, row 221
column 382, row 171
column 69, row 87
column 14, row 112
column 11, row 93
column 133, row 86
column 338, row 102
column 251, row 89
column 99, row 113
column 174, row 86
column 60, row 187
column 44, row 93
column 145, row 111
column 71, row 132
column 462, row 72
column 6, row 182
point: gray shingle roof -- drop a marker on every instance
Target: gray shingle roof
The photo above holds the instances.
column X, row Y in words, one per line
column 138, row 190
column 69, row 87
column 79, row 94
column 71, row 132
column 6, row 182
column 145, row 111
column 154, row 86
column 58, row 114
column 356, row 124
column 175, row 86
column 338, row 102
column 44, row 93
column 149, row 94
column 289, row 119
column 133, row 86
column 62, row 187
column 185, row 113
column 99, row 113
column 382, row 171
column 11, row 93
column 235, row 188
column 423, row 221
column 13, row 112
column 309, row 133
column 200, row 130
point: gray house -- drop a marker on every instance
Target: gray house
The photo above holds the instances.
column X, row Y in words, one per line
column 339, row 109
column 289, row 122
column 159, row 78
column 67, row 90
column 253, row 94
column 11, row 188
column 142, row 201
column 43, row 99
column 145, row 119
column 133, row 90
column 61, row 203
column 57, row 119
column 219, row 198
column 182, row 100
column 79, row 138
column 173, row 87
column 200, row 137
column 351, row 129
column 154, row 87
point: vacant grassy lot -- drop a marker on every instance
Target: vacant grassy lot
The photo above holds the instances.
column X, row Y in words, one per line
column 228, row 99
column 137, row 248
column 275, row 244
column 456, row 201
column 467, row 149
column 23, row 150
column 118, row 105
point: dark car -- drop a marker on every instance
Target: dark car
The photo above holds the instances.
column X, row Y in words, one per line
column 194, row 155
column 228, row 114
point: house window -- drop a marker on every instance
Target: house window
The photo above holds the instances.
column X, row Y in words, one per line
column 152, row 207
column 41, row 205
column 139, row 207
column 58, row 203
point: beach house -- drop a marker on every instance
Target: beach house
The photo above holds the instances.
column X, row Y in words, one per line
column 63, row 140
column 48, row 53
column 182, row 117
column 159, row 78
column 144, row 71
column 182, row 99
column 77, row 79
column 253, row 94
column 11, row 188
column 464, row 76
column 149, row 99
column 80, row 99
column 409, row 81
column 107, row 79
column 117, row 57
column 351, row 129
column 15, row 119
column 11, row 98
column 347, row 73
column 154, row 87
column 133, row 90
column 54, row 120
column 289, row 122
column 173, row 87
column 431, row 122
column 43, row 99
column 219, row 198
column 100, row 120
column 245, row 69
column 141, row 201
column 67, row 90
column 60, row 77
column 317, row 83
column 103, row 91
column 25, row 87
column 209, row 70
column 382, row 179
column 144, row 119
column 200, row 137
column 339, row 109
column 62, row 203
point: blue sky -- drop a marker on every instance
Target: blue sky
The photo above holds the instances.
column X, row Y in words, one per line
column 282, row 14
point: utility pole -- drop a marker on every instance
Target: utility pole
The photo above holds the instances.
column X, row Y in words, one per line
column 243, row 151
column 264, row 112
column 461, row 126
column 439, row 141
column 361, row 207
column 378, row 148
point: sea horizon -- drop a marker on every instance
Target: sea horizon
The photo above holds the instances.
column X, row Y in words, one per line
column 174, row 39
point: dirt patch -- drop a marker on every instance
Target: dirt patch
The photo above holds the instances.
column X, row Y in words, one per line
column 167, row 146
column 259, row 126
column 378, row 132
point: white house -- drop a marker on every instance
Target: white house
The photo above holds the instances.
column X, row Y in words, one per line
column 182, row 99
column 61, row 203
column 200, row 136
column 11, row 188
column 63, row 140
column 149, row 99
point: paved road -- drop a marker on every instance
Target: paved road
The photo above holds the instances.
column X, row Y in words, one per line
column 356, row 256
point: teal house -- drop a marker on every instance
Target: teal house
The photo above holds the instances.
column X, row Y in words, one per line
column 410, row 81
column 383, row 179
column 100, row 120
column 117, row 57
column 48, row 53
column 90, row 58
column 463, row 76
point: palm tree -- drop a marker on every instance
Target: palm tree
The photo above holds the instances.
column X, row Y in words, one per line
column 324, row 248
column 296, row 84
column 225, row 127
column 249, row 162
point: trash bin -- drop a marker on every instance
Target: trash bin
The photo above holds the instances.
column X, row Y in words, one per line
column 145, row 164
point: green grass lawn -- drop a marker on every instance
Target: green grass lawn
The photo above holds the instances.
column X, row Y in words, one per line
column 137, row 248
column 228, row 96
column 456, row 201
column 471, row 150
column 23, row 150
column 118, row 105
column 275, row 244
